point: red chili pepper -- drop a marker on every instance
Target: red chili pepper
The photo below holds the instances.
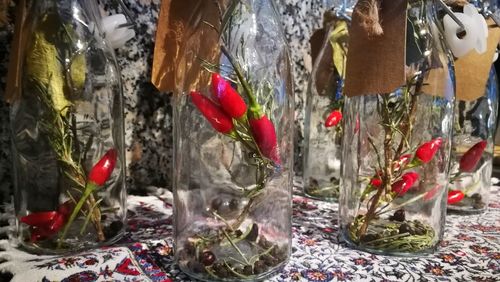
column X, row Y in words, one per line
column 402, row 162
column 469, row 160
column 45, row 224
column 333, row 118
column 265, row 136
column 402, row 186
column 57, row 223
column 66, row 208
column 231, row 102
column 102, row 170
column 455, row 196
column 44, row 231
column 426, row 151
column 219, row 120
column 376, row 182
column 38, row 234
column 413, row 175
column 431, row 193
column 39, row 218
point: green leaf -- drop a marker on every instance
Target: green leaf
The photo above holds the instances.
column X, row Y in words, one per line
column 338, row 39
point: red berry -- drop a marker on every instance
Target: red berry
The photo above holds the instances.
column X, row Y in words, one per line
column 207, row 258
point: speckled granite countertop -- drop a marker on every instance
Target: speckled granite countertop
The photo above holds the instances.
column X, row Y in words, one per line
column 149, row 113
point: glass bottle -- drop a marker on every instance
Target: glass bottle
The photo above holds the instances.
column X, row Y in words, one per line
column 322, row 125
column 392, row 198
column 472, row 151
column 233, row 130
column 68, row 133
column 473, row 145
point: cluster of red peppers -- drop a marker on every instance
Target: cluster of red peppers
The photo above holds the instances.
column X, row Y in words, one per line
column 468, row 163
column 45, row 224
column 424, row 154
column 227, row 107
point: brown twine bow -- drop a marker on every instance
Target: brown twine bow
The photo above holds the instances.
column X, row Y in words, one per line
column 368, row 13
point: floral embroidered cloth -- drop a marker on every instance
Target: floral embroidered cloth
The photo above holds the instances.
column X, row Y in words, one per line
column 470, row 251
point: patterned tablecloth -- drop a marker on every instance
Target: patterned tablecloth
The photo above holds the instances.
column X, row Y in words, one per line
column 470, row 251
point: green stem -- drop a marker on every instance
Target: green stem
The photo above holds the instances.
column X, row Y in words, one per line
column 89, row 216
column 89, row 188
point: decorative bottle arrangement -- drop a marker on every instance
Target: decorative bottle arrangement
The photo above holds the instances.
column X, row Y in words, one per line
column 322, row 126
column 396, row 147
column 233, row 143
column 67, row 131
column 476, row 107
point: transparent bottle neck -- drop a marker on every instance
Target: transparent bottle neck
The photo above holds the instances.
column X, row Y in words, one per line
column 84, row 11
column 423, row 10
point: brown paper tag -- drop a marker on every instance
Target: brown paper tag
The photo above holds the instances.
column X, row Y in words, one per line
column 316, row 42
column 13, row 87
column 376, row 64
column 182, row 40
column 324, row 72
column 473, row 69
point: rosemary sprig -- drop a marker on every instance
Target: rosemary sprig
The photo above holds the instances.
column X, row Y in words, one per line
column 229, row 233
column 60, row 130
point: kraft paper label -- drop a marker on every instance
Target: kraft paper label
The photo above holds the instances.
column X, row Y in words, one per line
column 472, row 70
column 182, row 39
column 376, row 64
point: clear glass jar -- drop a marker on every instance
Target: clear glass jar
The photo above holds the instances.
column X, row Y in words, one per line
column 67, row 132
column 324, row 102
column 392, row 197
column 472, row 151
column 233, row 130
